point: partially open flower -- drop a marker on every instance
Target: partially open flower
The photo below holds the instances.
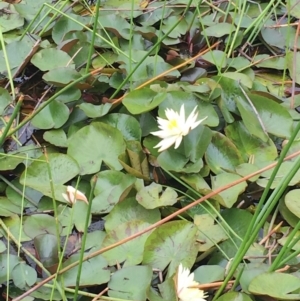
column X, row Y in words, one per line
column 185, row 286
column 73, row 194
column 175, row 127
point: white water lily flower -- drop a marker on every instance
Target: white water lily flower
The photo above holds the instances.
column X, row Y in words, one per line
column 74, row 194
column 185, row 286
column 175, row 127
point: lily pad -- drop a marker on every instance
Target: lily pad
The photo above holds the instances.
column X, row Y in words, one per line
column 130, row 283
column 153, row 196
column 131, row 252
column 96, row 144
column 111, row 187
column 277, row 285
column 164, row 246
column 51, row 58
column 52, row 116
column 222, row 155
column 129, row 210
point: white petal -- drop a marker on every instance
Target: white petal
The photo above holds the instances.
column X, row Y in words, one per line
column 65, row 196
column 74, row 194
column 178, row 141
column 165, row 143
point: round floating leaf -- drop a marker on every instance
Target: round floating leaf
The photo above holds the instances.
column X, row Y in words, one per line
column 62, row 167
column 17, row 52
column 292, row 201
column 7, row 263
column 13, row 223
column 93, row 271
column 23, row 275
column 219, row 30
column 2, row 246
column 94, row 144
column 126, row 124
column 129, row 210
column 80, row 215
column 61, row 77
column 111, row 187
column 216, row 57
column 7, row 208
column 51, row 58
column 209, row 273
column 56, row 137
column 153, row 196
column 5, row 100
column 46, row 247
column 277, row 285
column 275, row 118
column 10, row 18
column 234, row 296
column 222, row 154
column 52, row 116
column 287, row 215
column 143, row 100
column 249, row 145
column 209, row 233
column 230, row 195
column 131, row 252
column 38, row 224
column 94, row 111
column 130, row 283
column 250, row 272
column 164, row 246
column 238, row 220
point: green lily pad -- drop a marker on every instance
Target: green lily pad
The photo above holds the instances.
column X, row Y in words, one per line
column 250, row 146
column 9, row 19
column 111, row 187
column 277, row 285
column 130, row 210
column 153, row 196
column 56, row 137
column 52, row 116
column 234, row 296
column 230, row 195
column 209, row 233
column 7, row 208
column 93, row 271
column 94, row 144
column 62, row 76
column 62, row 169
column 23, row 275
column 5, row 100
column 222, row 154
column 94, row 111
column 131, row 252
column 142, row 100
column 126, row 124
column 46, row 247
column 164, row 246
column 219, row 30
column 209, row 273
column 216, row 57
column 38, row 224
column 51, row 58
column 7, row 264
column 292, row 201
column 130, row 283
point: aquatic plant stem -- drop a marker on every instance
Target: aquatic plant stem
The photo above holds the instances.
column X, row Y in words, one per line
column 155, row 225
column 83, row 242
column 14, row 114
